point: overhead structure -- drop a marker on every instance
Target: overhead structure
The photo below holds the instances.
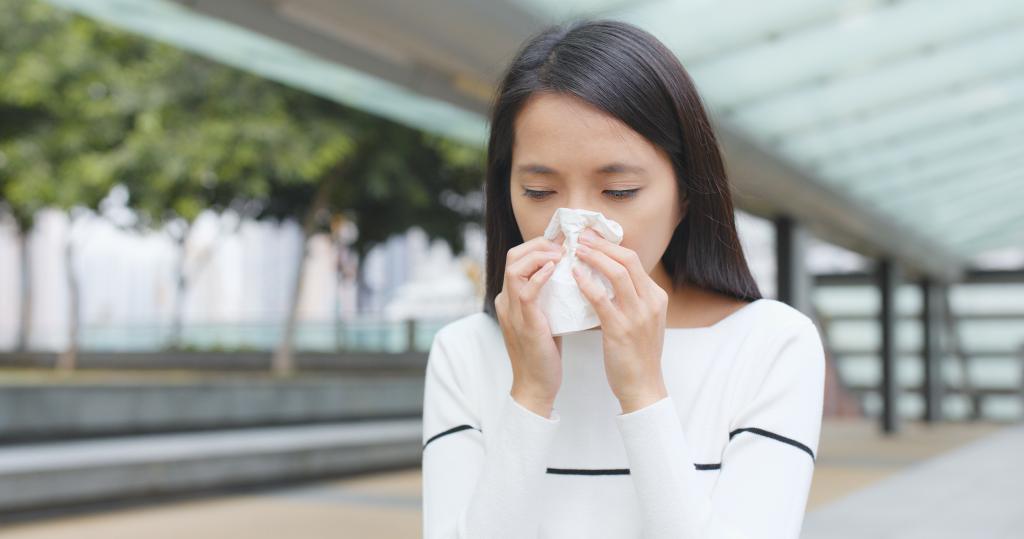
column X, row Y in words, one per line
column 892, row 128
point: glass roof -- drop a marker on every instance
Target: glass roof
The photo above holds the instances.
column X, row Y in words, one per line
column 913, row 107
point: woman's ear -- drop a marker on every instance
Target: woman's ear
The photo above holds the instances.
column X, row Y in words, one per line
column 683, row 206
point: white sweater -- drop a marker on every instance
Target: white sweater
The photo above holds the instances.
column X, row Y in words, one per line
column 729, row 453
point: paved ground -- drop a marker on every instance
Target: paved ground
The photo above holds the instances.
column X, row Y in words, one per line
column 971, row 491
column 853, row 458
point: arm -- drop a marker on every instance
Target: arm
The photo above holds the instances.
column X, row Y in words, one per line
column 475, row 487
column 767, row 465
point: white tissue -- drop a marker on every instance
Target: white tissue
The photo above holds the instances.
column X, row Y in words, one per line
column 560, row 299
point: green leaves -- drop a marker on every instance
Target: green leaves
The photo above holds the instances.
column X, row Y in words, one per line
column 84, row 106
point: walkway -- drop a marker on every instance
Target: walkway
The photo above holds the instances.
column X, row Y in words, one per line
column 957, row 479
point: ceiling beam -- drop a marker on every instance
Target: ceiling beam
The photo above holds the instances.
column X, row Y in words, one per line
column 769, row 187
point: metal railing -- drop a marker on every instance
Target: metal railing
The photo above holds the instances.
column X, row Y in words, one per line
column 982, row 353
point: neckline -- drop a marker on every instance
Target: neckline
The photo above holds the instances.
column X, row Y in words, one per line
column 698, row 329
column 716, row 325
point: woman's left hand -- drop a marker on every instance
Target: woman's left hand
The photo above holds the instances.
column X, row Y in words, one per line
column 632, row 324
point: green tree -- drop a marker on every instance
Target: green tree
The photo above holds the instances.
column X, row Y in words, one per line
column 47, row 145
column 84, row 106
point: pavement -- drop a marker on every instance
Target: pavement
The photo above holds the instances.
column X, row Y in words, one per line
column 947, row 480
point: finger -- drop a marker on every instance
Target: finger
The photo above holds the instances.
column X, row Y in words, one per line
column 617, row 274
column 529, row 292
column 597, row 296
column 525, row 267
column 538, row 243
column 532, row 314
column 624, row 256
column 521, row 271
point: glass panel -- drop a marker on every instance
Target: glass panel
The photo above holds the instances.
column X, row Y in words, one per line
column 1009, row 236
column 918, row 77
column 921, row 176
column 944, row 110
column 900, row 199
column 847, row 45
column 960, row 140
column 275, row 60
column 698, row 30
column 719, row 25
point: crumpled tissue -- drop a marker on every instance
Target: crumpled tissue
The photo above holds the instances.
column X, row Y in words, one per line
column 560, row 299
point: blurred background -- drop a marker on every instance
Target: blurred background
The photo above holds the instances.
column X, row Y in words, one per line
column 229, row 230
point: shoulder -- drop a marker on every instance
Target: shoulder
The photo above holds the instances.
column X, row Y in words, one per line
column 470, row 336
column 775, row 320
column 473, row 327
column 781, row 337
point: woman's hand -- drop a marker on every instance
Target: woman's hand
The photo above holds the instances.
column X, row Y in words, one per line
column 632, row 324
column 536, row 356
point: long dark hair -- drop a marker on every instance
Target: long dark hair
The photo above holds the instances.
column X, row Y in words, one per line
column 629, row 74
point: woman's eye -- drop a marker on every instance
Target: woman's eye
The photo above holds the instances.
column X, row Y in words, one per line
column 536, row 194
column 623, row 194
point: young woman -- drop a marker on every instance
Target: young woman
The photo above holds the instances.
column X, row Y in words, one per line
column 694, row 409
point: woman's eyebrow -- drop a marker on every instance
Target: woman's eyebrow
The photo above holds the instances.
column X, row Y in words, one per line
column 532, row 168
column 617, row 168
column 610, row 168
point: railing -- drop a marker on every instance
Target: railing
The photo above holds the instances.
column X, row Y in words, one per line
column 370, row 334
column 982, row 353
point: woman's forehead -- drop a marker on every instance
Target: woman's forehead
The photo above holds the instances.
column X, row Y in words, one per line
column 561, row 132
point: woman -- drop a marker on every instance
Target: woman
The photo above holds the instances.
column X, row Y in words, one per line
column 694, row 409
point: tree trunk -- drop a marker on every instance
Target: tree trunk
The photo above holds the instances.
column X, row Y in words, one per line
column 185, row 278
column 284, row 362
column 180, row 287
column 25, row 316
column 339, row 279
column 362, row 290
column 68, row 360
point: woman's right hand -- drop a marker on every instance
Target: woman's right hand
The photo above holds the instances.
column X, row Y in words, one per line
column 536, row 356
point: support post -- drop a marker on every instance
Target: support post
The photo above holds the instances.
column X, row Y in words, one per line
column 794, row 283
column 931, row 348
column 888, row 277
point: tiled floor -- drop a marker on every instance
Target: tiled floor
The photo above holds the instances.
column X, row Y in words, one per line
column 852, row 455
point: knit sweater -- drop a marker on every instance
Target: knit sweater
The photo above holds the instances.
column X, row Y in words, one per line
column 728, row 453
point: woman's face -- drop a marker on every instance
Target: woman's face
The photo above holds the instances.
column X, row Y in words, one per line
column 568, row 153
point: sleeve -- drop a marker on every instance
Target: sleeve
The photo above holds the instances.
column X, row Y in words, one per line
column 768, row 461
column 476, row 486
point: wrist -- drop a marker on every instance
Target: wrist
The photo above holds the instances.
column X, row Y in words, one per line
column 633, row 403
column 537, row 404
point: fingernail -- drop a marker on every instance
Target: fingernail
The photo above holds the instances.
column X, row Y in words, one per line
column 588, row 235
column 582, row 250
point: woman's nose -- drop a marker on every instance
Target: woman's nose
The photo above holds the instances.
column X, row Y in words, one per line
column 581, row 201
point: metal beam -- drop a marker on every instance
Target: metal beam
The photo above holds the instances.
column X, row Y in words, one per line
column 888, row 284
column 767, row 186
column 932, row 317
column 793, row 278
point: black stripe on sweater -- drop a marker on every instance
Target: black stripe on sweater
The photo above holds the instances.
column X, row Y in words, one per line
column 568, row 471
column 452, row 430
column 618, row 471
column 774, row 436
